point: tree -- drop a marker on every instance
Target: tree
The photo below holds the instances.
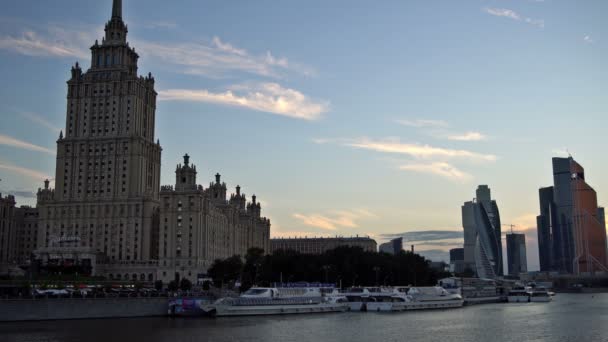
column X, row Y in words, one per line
column 172, row 286
column 225, row 271
column 158, row 285
column 185, row 284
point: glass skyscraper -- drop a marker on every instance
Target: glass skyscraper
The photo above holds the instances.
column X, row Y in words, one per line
column 571, row 226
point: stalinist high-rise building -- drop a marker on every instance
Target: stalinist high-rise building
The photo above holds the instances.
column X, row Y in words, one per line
column 104, row 215
column 107, row 182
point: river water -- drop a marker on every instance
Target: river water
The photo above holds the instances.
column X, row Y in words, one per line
column 571, row 317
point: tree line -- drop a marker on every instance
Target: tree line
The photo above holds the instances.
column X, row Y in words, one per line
column 343, row 266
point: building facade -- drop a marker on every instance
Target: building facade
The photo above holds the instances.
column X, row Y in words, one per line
column 104, row 215
column 322, row 245
column 482, row 235
column 7, row 230
column 393, row 247
column 517, row 259
column 457, row 260
column 571, row 226
column 26, row 234
column 200, row 225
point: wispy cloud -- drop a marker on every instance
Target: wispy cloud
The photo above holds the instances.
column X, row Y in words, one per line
column 426, row 235
column 441, row 169
column 418, row 150
column 336, row 219
column 420, row 123
column 263, row 97
column 40, row 120
column 588, row 40
column 217, row 58
column 510, row 14
column 21, row 193
column 207, row 57
column 468, row 136
column 13, row 142
column 37, row 175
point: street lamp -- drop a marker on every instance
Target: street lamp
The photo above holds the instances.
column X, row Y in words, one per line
column 377, row 270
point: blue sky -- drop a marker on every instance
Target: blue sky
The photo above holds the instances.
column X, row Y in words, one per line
column 344, row 117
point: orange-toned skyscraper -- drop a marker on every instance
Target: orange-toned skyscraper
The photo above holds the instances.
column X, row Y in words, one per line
column 571, row 227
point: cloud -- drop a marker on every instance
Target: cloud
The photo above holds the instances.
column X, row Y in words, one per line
column 21, row 193
column 40, row 120
column 30, row 44
column 417, row 150
column 24, row 171
column 12, row 142
column 468, row 136
column 210, row 57
column 217, row 58
column 439, row 169
column 420, row 123
column 510, row 14
column 588, row 40
column 336, row 219
column 426, row 235
column 263, row 97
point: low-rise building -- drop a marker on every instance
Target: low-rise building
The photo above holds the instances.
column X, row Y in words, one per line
column 393, row 247
column 322, row 244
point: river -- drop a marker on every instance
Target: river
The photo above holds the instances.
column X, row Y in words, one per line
column 571, row 317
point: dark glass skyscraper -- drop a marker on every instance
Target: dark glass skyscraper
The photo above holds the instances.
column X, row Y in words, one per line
column 571, row 226
column 516, row 254
column 482, row 235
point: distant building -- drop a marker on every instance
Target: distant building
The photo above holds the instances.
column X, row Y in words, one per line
column 392, row 247
column 571, row 226
column 7, row 231
column 26, row 234
column 321, row 245
column 516, row 254
column 457, row 260
column 482, row 235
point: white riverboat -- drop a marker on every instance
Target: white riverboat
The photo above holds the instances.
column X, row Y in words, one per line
column 359, row 297
column 416, row 298
column 540, row 295
column 518, row 295
column 278, row 301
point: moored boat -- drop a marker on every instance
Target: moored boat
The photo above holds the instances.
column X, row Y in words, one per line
column 417, row 298
column 518, row 295
column 277, row 301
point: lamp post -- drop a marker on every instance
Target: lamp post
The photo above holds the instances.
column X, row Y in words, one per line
column 377, row 270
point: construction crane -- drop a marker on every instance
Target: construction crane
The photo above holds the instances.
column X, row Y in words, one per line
column 510, row 225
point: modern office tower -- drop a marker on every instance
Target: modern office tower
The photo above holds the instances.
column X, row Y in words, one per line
column 571, row 226
column 392, row 247
column 200, row 225
column 482, row 235
column 457, row 260
column 516, row 254
column 322, row 244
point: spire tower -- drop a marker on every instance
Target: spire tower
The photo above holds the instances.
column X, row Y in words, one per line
column 117, row 9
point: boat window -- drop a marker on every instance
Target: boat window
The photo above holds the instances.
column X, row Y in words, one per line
column 255, row 292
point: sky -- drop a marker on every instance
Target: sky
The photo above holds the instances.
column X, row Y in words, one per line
column 343, row 117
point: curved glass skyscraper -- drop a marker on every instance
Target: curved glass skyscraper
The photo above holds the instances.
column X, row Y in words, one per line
column 482, row 235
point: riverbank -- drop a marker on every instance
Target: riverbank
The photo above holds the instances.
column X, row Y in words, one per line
column 15, row 310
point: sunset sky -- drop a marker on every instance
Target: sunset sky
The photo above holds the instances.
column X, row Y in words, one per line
column 343, row 117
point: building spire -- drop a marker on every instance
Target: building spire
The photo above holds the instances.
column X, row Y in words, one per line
column 117, row 9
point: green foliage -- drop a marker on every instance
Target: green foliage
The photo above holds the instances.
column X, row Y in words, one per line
column 348, row 266
column 172, row 286
column 185, row 284
column 226, row 271
column 158, row 285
